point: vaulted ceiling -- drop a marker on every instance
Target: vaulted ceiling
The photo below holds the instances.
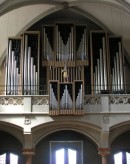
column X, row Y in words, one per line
column 111, row 15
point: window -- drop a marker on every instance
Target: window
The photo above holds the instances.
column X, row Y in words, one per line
column 122, row 158
column 64, row 156
column 10, row 157
column 66, row 152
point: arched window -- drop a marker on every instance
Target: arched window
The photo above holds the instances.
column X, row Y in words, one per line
column 8, row 158
column 122, row 157
column 66, row 152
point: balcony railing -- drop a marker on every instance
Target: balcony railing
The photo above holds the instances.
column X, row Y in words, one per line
column 43, row 90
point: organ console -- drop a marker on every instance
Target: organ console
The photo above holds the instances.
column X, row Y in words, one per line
column 92, row 58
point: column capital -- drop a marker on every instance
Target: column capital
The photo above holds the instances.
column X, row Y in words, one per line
column 28, row 152
column 104, row 151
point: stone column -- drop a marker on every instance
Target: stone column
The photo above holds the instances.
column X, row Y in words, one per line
column 104, row 152
column 28, row 153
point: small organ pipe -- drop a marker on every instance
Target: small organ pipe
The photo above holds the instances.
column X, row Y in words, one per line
column 15, row 76
column 32, row 77
column 36, row 84
column 17, row 81
column 96, row 77
column 34, row 74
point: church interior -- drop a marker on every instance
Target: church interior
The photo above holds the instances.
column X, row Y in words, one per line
column 64, row 81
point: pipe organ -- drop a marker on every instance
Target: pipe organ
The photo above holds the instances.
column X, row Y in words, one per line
column 31, row 63
column 116, row 65
column 69, row 58
column 13, row 67
column 66, row 98
column 99, row 62
column 65, row 54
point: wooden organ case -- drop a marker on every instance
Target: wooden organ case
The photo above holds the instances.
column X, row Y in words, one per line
column 65, row 53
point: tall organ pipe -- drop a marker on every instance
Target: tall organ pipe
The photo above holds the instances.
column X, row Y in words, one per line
column 115, row 72
column 121, row 66
column 96, row 77
column 118, row 72
column 12, row 72
column 9, row 67
column 72, row 50
column 98, row 70
column 101, row 71
column 29, row 69
column 104, row 67
column 25, row 64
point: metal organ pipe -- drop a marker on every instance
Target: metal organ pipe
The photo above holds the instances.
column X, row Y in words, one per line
column 98, row 71
column 100, row 81
column 29, row 69
column 118, row 74
column 12, row 72
column 25, row 64
column 9, row 68
column 117, row 71
column 82, row 49
column 11, row 77
column 104, row 64
column 101, row 70
column 121, row 66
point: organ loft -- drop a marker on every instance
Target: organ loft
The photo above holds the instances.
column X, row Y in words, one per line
column 65, row 61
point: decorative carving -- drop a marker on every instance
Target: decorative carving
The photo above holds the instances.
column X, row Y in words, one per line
column 106, row 119
column 119, row 100
column 92, row 100
column 40, row 100
column 11, row 101
column 27, row 121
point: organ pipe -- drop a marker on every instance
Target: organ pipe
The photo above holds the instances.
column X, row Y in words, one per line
column 30, row 68
column 117, row 71
column 25, row 65
column 100, row 79
column 104, row 64
column 121, row 66
column 82, row 49
column 11, row 77
column 53, row 101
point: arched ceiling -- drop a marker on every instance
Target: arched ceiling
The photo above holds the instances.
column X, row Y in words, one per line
column 112, row 15
column 8, row 5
